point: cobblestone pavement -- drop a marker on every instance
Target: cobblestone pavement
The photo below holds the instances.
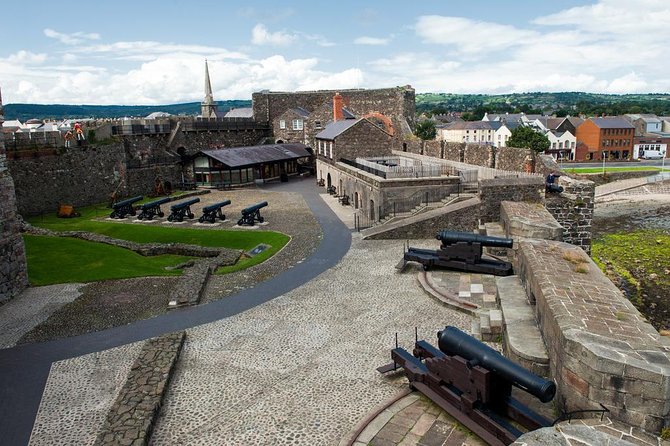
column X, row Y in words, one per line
column 299, row 369
column 31, row 308
column 288, row 213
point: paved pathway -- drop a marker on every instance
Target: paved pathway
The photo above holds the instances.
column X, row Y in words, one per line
column 623, row 185
column 24, row 369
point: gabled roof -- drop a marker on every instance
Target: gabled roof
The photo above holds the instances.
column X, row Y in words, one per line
column 612, row 123
column 348, row 114
column 242, row 112
column 574, row 120
column 336, row 128
column 470, row 125
column 550, row 123
column 250, row 155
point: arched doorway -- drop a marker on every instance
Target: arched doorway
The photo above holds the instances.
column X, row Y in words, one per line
column 329, row 182
column 355, row 200
column 341, row 189
column 372, row 210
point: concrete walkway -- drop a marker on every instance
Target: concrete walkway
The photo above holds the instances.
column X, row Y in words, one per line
column 622, row 185
column 24, row 369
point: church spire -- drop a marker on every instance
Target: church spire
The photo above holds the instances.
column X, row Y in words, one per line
column 208, row 106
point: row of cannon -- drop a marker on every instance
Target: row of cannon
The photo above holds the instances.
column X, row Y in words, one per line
column 182, row 210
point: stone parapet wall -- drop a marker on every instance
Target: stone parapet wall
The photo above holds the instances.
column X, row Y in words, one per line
column 573, row 209
column 13, row 269
column 193, row 142
column 512, row 158
column 433, row 148
column 601, row 348
column 529, row 220
column 461, row 216
column 479, row 155
column 453, row 151
column 131, row 419
column 495, row 191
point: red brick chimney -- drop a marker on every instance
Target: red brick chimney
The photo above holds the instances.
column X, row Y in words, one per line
column 338, row 103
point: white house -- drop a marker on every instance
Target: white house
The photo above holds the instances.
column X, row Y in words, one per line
column 467, row 131
column 562, row 146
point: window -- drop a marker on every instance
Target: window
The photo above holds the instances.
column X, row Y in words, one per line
column 297, row 124
column 317, row 124
column 282, row 124
column 331, row 150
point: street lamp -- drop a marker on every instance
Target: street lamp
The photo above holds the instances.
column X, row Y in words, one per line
column 604, row 162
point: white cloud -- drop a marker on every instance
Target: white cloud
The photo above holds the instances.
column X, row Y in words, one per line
column 26, row 57
column 71, row 39
column 470, row 36
column 261, row 36
column 364, row 40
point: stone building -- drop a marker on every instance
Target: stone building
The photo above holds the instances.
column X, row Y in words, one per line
column 13, row 269
column 395, row 105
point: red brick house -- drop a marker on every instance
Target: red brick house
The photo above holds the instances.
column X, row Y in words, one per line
column 609, row 137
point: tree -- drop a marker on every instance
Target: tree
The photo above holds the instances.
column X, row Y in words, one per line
column 527, row 138
column 426, row 130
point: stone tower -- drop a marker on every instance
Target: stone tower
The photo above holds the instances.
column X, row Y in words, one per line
column 208, row 106
column 13, row 269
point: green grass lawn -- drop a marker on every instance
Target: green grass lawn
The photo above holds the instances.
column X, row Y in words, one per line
column 141, row 233
column 63, row 259
column 611, row 169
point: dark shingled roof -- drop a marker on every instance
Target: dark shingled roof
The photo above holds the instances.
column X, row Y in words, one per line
column 250, row 155
column 612, row 123
column 334, row 129
column 470, row 125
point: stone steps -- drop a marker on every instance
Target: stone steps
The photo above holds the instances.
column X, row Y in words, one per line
column 523, row 341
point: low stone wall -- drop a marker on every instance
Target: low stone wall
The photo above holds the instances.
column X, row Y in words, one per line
column 573, row 209
column 453, row 151
column 130, row 420
column 433, row 148
column 495, row 191
column 601, row 348
column 515, row 159
column 530, row 220
column 461, row 216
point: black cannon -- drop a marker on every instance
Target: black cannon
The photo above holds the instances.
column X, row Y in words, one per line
column 180, row 210
column 125, row 207
column 151, row 209
column 463, row 251
column 473, row 383
column 252, row 214
column 213, row 211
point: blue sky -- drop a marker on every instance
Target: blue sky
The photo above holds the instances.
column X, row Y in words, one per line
column 151, row 52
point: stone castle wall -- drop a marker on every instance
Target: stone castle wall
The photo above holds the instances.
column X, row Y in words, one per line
column 479, row 155
column 495, row 191
column 193, row 142
column 573, row 209
column 13, row 268
column 511, row 158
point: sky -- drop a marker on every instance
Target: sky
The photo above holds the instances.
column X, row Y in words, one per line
column 153, row 52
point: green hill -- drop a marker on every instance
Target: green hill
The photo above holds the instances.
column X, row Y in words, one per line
column 23, row 112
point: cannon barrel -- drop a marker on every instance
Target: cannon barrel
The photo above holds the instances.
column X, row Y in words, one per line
column 183, row 204
column 215, row 206
column 453, row 341
column 127, row 202
column 155, row 203
column 449, row 237
column 254, row 208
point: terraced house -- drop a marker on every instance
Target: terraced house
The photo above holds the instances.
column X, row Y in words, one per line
column 611, row 138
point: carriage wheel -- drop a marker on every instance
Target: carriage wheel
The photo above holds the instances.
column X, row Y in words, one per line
column 239, row 222
column 190, row 215
column 202, row 219
column 180, row 218
column 161, row 214
column 170, row 218
column 212, row 218
column 112, row 215
column 132, row 212
column 261, row 219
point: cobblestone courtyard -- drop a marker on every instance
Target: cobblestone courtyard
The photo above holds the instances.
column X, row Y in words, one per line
column 297, row 370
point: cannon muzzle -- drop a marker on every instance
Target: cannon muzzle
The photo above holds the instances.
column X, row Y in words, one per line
column 450, row 237
column 454, row 342
column 254, row 208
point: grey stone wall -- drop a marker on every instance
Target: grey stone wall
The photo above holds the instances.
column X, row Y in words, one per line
column 529, row 220
column 511, row 158
column 433, row 148
column 362, row 140
column 454, row 151
column 493, row 192
column 13, row 267
column 461, row 216
column 412, row 145
column 479, row 155
column 573, row 209
column 193, row 142
column 601, row 349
